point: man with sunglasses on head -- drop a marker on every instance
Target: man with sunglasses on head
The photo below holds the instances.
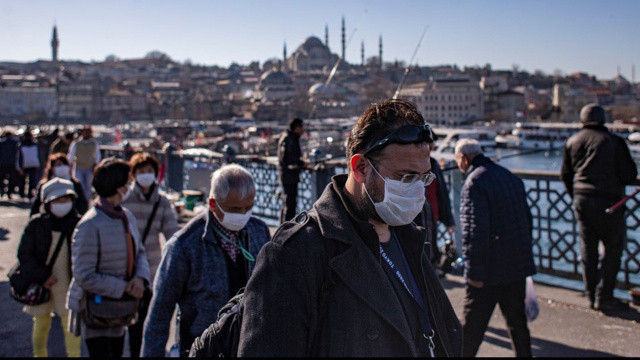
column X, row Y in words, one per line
column 496, row 235
column 352, row 277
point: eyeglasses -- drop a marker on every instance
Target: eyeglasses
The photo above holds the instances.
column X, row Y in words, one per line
column 426, row 178
column 408, row 134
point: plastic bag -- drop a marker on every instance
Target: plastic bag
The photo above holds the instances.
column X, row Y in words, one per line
column 531, row 307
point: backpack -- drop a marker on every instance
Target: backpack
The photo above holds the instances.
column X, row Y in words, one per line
column 221, row 339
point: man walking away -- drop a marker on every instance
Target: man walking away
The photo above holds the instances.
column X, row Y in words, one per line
column 28, row 164
column 595, row 169
column 496, row 236
column 8, row 155
column 84, row 154
column 289, row 165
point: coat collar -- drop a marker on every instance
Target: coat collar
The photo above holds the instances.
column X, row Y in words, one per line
column 137, row 191
column 360, row 266
column 477, row 162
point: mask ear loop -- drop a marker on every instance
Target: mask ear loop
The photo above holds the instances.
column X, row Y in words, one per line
column 383, row 179
column 245, row 253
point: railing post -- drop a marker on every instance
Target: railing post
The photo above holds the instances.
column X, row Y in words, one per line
column 175, row 170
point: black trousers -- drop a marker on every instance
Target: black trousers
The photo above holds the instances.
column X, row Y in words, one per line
column 30, row 174
column 595, row 226
column 105, row 347
column 135, row 331
column 478, row 307
column 289, row 201
column 7, row 172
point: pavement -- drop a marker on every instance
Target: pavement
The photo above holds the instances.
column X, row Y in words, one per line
column 566, row 327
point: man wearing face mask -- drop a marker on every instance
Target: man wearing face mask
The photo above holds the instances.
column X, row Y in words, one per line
column 496, row 236
column 352, row 276
column 207, row 262
column 155, row 216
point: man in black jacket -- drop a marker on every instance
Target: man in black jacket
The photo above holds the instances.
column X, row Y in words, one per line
column 595, row 169
column 289, row 165
column 496, row 236
column 352, row 277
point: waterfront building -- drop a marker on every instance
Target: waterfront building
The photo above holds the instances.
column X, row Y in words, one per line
column 571, row 100
column 449, row 100
column 28, row 102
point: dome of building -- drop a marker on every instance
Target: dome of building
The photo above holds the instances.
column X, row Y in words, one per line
column 275, row 77
column 312, row 42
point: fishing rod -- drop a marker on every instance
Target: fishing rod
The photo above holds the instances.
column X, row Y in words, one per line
column 331, row 74
column 406, row 70
column 615, row 206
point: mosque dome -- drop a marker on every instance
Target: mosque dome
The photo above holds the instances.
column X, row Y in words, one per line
column 275, row 77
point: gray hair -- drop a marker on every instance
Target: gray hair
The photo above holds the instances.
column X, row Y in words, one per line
column 231, row 177
column 468, row 147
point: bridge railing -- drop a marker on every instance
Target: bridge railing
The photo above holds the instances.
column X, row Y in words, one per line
column 556, row 244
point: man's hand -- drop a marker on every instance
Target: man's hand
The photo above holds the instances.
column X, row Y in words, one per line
column 52, row 280
column 451, row 229
column 135, row 288
column 475, row 284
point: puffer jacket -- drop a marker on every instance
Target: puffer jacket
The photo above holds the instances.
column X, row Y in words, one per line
column 99, row 235
column 496, row 225
column 597, row 162
column 193, row 273
column 164, row 221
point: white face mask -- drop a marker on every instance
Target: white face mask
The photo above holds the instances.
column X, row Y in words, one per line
column 146, row 179
column 62, row 171
column 402, row 202
column 233, row 221
column 61, row 209
column 125, row 196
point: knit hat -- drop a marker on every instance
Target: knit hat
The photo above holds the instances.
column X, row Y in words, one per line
column 592, row 114
column 57, row 188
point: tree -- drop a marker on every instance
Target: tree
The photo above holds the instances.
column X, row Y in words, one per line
column 156, row 54
column 111, row 58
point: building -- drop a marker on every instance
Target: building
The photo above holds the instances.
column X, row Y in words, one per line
column 311, row 56
column 450, row 100
column 569, row 101
column 28, row 103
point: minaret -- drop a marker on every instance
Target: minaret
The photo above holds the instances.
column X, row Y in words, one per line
column 54, row 44
column 284, row 56
column 633, row 74
column 326, row 35
column 343, row 39
column 362, row 52
column 380, row 51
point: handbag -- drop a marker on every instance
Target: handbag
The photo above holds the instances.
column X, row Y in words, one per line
column 23, row 290
column 102, row 312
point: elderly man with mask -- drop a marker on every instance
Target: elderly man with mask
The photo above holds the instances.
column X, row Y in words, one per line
column 352, row 276
column 206, row 263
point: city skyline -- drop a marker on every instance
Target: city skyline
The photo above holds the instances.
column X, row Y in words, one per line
column 595, row 37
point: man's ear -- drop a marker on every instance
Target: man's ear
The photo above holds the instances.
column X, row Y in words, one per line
column 358, row 164
column 212, row 204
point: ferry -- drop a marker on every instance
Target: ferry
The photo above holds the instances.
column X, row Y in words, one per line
column 634, row 144
column 448, row 138
column 528, row 136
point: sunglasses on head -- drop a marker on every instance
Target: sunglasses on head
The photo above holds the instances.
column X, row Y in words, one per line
column 408, row 134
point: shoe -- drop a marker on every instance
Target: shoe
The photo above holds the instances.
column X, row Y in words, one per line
column 612, row 305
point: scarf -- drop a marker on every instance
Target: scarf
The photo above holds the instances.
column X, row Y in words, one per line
column 117, row 212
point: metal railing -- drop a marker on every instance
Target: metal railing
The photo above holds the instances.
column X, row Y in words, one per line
column 556, row 244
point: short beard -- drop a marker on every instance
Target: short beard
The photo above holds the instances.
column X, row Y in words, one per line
column 366, row 206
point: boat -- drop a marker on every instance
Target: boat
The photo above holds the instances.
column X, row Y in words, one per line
column 528, row 136
column 634, row 144
column 448, row 138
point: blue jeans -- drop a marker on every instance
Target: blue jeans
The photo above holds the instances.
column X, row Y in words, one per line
column 85, row 176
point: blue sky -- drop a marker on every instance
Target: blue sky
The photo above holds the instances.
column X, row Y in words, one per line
column 591, row 36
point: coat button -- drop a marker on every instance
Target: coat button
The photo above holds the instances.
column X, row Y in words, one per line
column 373, row 334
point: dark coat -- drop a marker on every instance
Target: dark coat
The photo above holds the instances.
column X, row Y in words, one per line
column 444, row 203
column 36, row 242
column 289, row 158
column 8, row 152
column 597, row 162
column 319, row 289
column 81, row 203
column 496, row 225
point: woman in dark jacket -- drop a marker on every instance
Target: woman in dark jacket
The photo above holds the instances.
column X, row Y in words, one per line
column 58, row 166
column 41, row 236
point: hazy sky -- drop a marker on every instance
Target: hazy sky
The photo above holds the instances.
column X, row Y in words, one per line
column 587, row 35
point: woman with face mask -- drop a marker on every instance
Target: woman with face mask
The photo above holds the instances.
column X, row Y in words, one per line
column 156, row 220
column 110, row 267
column 58, row 167
column 41, row 238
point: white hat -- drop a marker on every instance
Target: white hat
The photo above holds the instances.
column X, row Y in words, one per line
column 57, row 188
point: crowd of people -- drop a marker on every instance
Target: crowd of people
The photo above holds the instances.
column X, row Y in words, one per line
column 356, row 275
